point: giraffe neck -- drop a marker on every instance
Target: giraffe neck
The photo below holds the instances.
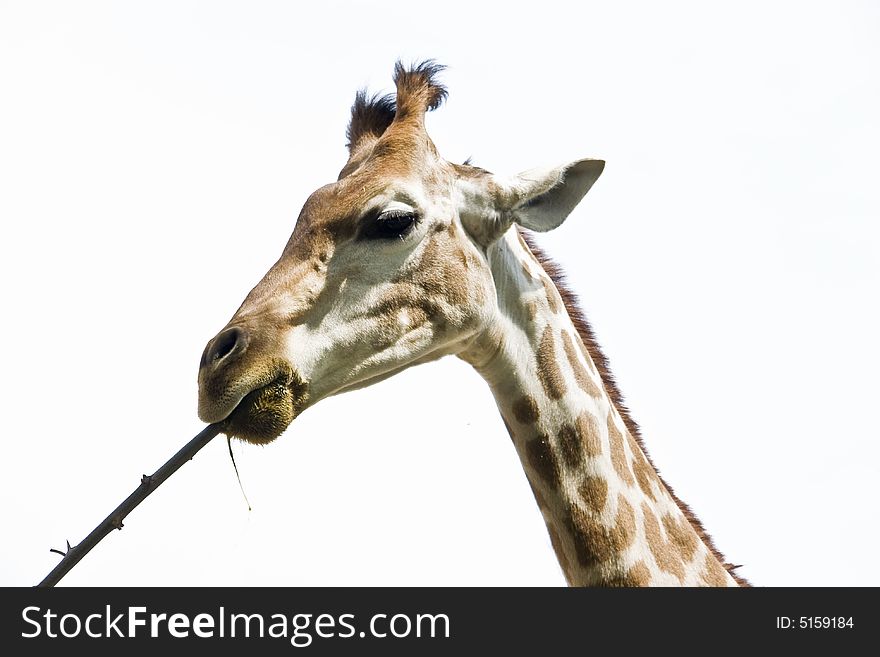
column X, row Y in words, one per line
column 611, row 519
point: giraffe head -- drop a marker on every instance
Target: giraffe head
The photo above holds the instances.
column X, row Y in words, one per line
column 386, row 268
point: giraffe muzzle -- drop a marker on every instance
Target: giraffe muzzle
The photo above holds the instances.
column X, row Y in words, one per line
column 246, row 386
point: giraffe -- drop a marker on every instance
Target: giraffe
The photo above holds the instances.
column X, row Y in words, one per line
column 408, row 257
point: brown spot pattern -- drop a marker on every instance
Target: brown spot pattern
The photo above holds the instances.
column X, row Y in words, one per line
column 618, row 455
column 542, row 460
column 626, row 522
column 665, row 553
column 580, row 374
column 579, row 440
column 552, row 295
column 681, row 535
column 637, row 575
column 548, row 369
column 713, row 572
column 594, row 542
column 643, row 471
column 594, row 492
column 525, row 410
column 568, row 445
column 588, row 432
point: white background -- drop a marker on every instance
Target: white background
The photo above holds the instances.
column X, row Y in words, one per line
column 154, row 157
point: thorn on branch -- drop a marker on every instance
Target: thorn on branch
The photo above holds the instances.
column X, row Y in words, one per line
column 63, row 554
column 146, row 480
column 116, row 523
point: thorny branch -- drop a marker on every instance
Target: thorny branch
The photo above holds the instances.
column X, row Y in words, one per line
column 148, row 484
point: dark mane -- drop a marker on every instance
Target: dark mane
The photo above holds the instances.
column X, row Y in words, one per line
column 584, row 329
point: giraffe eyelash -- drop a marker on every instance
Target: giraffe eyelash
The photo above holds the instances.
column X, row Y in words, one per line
column 391, row 224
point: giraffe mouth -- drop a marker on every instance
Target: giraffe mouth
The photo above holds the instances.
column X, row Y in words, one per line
column 265, row 412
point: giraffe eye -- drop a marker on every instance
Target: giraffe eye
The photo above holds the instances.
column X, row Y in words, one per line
column 391, row 224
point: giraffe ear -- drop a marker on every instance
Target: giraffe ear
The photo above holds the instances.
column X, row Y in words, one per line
column 541, row 199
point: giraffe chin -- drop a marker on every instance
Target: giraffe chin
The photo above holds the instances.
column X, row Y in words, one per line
column 264, row 413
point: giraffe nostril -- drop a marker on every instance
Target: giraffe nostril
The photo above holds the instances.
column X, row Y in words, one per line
column 231, row 341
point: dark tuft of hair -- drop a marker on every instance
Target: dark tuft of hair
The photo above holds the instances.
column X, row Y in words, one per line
column 417, row 87
column 370, row 116
column 572, row 306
